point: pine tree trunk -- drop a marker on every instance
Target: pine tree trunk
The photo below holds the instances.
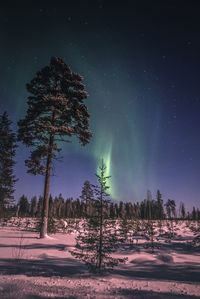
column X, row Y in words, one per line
column 101, row 232
column 45, row 210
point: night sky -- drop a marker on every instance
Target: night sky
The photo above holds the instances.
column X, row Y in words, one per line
column 141, row 66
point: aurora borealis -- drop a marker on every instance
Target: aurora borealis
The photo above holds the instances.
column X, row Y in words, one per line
column 141, row 66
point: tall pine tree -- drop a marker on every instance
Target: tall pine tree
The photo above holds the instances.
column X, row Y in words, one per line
column 87, row 198
column 159, row 207
column 56, row 111
column 7, row 162
column 24, row 206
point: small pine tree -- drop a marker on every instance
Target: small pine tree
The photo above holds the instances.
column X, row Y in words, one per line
column 171, row 213
column 52, row 226
column 150, row 229
column 7, row 162
column 127, row 228
column 97, row 239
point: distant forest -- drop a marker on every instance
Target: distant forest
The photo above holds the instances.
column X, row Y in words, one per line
column 84, row 207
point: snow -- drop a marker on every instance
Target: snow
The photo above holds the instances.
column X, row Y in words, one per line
column 44, row 268
column 48, row 237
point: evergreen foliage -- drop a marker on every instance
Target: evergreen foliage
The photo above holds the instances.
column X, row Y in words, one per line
column 60, row 207
column 182, row 212
column 56, row 111
column 24, row 206
column 126, row 230
column 52, row 227
column 7, row 162
column 160, row 209
column 170, row 208
column 33, row 207
column 97, row 238
column 150, row 229
column 87, row 197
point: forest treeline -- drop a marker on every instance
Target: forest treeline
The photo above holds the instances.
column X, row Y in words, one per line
column 84, row 207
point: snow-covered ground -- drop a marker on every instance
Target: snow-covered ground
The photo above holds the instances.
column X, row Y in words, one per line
column 44, row 268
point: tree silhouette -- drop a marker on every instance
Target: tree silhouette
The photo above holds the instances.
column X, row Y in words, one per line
column 33, row 206
column 160, row 209
column 171, row 213
column 24, row 206
column 87, row 198
column 7, row 162
column 97, row 237
column 56, row 111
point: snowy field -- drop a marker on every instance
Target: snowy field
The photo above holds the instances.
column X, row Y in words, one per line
column 44, row 268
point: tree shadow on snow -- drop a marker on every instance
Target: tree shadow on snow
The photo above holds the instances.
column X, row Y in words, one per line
column 183, row 248
column 69, row 267
column 14, row 237
column 45, row 267
column 37, row 246
column 146, row 270
column 177, row 247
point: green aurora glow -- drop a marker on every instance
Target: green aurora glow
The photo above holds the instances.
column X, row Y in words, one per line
column 143, row 100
